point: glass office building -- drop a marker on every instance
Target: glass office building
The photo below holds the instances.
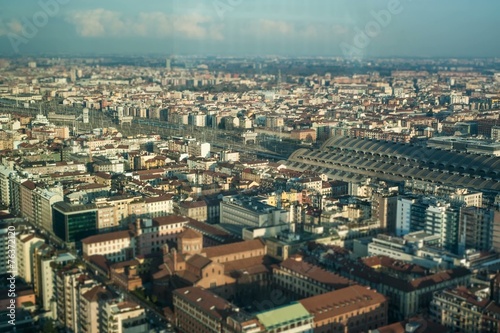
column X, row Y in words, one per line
column 72, row 223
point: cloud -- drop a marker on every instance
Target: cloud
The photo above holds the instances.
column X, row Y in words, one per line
column 275, row 27
column 13, row 26
column 104, row 23
column 338, row 29
column 97, row 22
column 300, row 30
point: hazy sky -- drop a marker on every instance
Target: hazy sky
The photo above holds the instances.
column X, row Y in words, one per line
column 449, row 28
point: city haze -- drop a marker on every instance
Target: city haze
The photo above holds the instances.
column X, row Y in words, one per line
column 242, row 27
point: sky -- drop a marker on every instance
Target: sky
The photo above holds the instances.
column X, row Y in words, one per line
column 350, row 28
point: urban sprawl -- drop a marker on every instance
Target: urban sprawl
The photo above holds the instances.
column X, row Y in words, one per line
column 233, row 195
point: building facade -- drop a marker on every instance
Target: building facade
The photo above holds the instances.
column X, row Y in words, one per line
column 72, row 223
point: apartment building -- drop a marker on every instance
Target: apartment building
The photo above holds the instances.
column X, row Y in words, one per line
column 42, row 168
column 89, row 309
column 15, row 193
column 69, row 283
column 5, row 174
column 106, row 216
column 159, row 206
column 26, row 245
column 197, row 210
column 459, row 309
column 123, row 317
column 26, row 200
column 5, row 228
column 43, row 200
column 121, row 210
column 45, row 259
column 384, row 209
column 417, row 248
column 476, row 229
column 408, row 294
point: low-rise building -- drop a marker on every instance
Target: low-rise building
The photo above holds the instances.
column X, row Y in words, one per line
column 152, row 234
column 199, row 310
column 352, row 309
column 115, row 246
column 197, row 210
column 292, row 318
column 123, row 317
column 408, row 294
column 303, row 279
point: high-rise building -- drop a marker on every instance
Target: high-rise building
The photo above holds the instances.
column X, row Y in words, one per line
column 199, row 149
column 43, row 199
column 26, row 191
column 5, row 185
column 403, row 215
column 476, row 229
column 443, row 219
column 44, row 258
column 85, row 116
column 91, row 303
column 26, row 245
column 15, row 193
column 70, row 283
column 495, row 242
column 5, row 228
column 384, row 208
column 432, row 215
column 72, row 75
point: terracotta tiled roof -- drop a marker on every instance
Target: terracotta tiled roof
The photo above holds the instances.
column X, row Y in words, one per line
column 338, row 302
column 197, row 261
column 316, row 273
column 190, row 234
column 171, row 219
column 29, row 185
column 212, row 305
column 109, row 236
column 228, row 249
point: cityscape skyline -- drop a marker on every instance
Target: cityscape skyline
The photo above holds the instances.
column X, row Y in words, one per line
column 393, row 28
column 249, row 166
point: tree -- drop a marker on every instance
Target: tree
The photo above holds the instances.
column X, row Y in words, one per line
column 49, row 326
